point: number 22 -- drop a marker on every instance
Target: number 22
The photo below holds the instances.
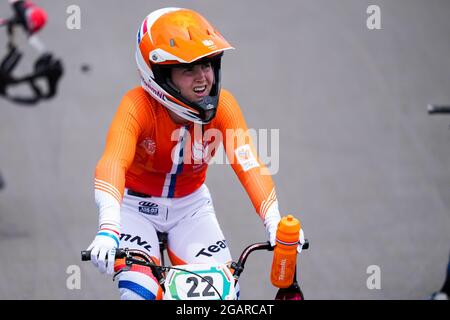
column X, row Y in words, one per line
column 206, row 292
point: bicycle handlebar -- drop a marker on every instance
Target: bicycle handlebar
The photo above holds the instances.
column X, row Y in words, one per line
column 438, row 109
column 123, row 253
column 158, row 271
column 238, row 266
column 120, row 253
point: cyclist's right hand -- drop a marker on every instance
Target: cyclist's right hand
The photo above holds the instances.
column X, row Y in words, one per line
column 103, row 250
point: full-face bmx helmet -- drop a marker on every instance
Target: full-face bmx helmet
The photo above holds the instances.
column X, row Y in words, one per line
column 179, row 37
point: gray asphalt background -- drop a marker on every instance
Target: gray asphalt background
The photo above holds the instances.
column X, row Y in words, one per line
column 361, row 163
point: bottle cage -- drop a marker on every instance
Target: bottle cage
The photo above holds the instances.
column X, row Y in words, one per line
column 46, row 67
column 293, row 292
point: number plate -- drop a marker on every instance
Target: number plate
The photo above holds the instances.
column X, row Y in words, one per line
column 199, row 282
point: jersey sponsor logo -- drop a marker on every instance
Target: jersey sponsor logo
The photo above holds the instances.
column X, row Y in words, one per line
column 212, row 249
column 135, row 239
column 149, row 146
column 245, row 157
column 149, row 208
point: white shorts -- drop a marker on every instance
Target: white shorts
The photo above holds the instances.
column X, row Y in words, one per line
column 194, row 235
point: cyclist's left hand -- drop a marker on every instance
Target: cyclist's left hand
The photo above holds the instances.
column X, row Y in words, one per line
column 271, row 221
column 301, row 241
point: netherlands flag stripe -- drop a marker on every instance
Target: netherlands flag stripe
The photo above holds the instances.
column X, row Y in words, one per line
column 144, row 27
column 287, row 243
column 108, row 229
column 173, row 180
column 138, row 289
column 110, row 235
column 177, row 166
column 142, row 30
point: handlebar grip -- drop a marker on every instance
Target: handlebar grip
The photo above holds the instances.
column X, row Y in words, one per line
column 85, row 255
column 305, row 246
column 436, row 109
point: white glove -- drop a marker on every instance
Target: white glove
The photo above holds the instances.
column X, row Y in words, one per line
column 271, row 221
column 107, row 239
column 103, row 251
column 301, row 241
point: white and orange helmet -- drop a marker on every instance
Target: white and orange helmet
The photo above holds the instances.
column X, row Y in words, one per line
column 176, row 36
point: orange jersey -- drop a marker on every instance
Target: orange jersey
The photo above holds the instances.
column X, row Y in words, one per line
column 149, row 153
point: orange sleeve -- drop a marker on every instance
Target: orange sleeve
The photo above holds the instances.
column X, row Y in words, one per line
column 120, row 147
column 238, row 144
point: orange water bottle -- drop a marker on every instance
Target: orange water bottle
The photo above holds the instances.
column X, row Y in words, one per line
column 285, row 252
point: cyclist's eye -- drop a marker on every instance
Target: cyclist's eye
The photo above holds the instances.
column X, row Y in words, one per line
column 206, row 66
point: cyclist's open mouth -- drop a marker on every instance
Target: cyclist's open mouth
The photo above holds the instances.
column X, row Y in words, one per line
column 200, row 91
